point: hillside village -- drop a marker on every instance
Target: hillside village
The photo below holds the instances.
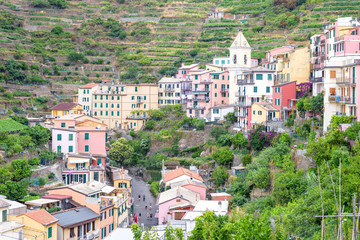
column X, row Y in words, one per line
column 113, row 128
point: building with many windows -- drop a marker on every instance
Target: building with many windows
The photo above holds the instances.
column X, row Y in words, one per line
column 254, row 85
column 124, row 105
column 284, row 98
column 84, row 97
column 169, row 91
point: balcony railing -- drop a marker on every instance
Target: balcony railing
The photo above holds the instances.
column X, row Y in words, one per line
column 139, row 100
column 340, row 99
column 186, row 87
column 317, row 79
column 240, row 115
column 79, row 169
column 169, row 89
column 196, row 107
column 202, row 90
column 245, row 82
column 339, row 38
column 88, row 236
column 205, row 80
column 237, row 125
column 344, row 81
column 224, row 90
column 241, row 104
column 240, row 94
column 143, row 116
column 201, row 99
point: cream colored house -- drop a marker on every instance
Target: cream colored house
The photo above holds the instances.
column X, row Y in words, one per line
column 84, row 98
column 169, row 91
column 124, row 105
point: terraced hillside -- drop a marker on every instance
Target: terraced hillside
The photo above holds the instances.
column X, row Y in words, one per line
column 140, row 40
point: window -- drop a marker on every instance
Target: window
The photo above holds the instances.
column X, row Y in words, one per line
column 196, row 77
column 101, row 105
column 215, row 94
column 106, row 113
column 255, row 89
column 215, row 86
column 4, row 215
column 333, row 74
column 95, row 104
column 132, row 97
column 106, row 105
column 144, row 105
column 62, row 124
column 72, row 232
column 259, row 77
column 86, row 136
column 144, row 97
column 277, row 89
column 254, row 112
column 95, row 97
column 136, row 89
column 259, row 112
column 267, row 89
column 277, row 101
column 71, row 149
column 86, row 148
column 160, row 86
column 59, row 137
column 269, row 77
column 50, row 232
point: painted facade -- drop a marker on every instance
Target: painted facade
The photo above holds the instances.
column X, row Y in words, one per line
column 169, row 91
column 284, row 98
column 219, row 112
column 262, row 113
column 85, row 93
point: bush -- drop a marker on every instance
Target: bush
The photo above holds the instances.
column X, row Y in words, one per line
column 51, row 175
column 34, row 161
column 149, row 125
column 52, row 210
column 154, row 188
column 246, row 159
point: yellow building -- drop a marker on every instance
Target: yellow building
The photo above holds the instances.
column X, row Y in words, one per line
column 78, row 223
column 261, row 113
column 169, row 91
column 293, row 65
column 216, row 68
column 9, row 230
column 123, row 106
column 63, row 109
column 121, row 179
column 39, row 225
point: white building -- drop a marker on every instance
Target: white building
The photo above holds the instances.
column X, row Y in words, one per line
column 219, row 112
column 169, row 90
column 85, row 94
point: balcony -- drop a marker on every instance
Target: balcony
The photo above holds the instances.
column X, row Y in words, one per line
column 92, row 168
column 245, row 82
column 224, row 90
column 186, row 87
column 202, row 99
column 137, row 117
column 196, row 107
column 241, row 104
column 201, row 91
column 240, row 94
column 240, row 115
column 169, row 89
column 339, row 38
column 317, row 79
column 344, row 81
column 205, row 81
column 139, row 100
column 316, row 54
column 340, row 99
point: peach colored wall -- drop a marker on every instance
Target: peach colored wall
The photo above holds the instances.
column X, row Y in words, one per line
column 96, row 142
column 198, row 189
column 77, row 197
column 107, row 221
column 57, row 123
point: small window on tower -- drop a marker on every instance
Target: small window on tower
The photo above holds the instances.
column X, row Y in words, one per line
column 235, row 60
column 245, row 59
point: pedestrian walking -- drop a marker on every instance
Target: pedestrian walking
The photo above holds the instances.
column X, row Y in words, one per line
column 147, row 215
column 149, row 205
column 144, row 198
column 139, row 215
column 145, row 205
column 150, row 216
column 139, row 197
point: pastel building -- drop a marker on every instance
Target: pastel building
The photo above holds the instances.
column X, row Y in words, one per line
column 254, row 85
column 39, row 224
column 63, row 109
column 169, row 91
column 180, row 174
column 121, row 179
column 9, row 230
column 262, row 114
column 338, row 39
column 210, row 88
column 192, row 185
column 174, row 203
column 79, row 134
column 284, row 98
column 186, row 84
column 123, row 106
column 84, row 97
column 219, row 112
column 341, row 91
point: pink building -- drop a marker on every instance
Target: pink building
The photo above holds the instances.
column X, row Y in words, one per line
column 186, row 84
column 79, row 134
column 192, row 185
column 174, row 203
column 270, row 61
column 284, row 98
column 254, row 62
column 210, row 88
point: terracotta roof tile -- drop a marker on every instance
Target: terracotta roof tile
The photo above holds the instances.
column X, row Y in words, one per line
column 42, row 217
column 89, row 85
column 64, row 106
column 179, row 172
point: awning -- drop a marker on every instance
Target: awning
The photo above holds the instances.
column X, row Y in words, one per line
column 78, row 160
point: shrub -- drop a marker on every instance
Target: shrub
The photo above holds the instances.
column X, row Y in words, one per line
column 52, row 210
column 154, row 188
column 34, row 161
column 149, row 125
column 246, row 159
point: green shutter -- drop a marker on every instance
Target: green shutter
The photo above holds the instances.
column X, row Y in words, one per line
column 4, row 215
column 59, row 137
column 62, row 124
column 59, row 149
column 259, row 77
column 71, row 137
column 50, row 232
column 86, row 136
column 71, row 149
column 86, row 148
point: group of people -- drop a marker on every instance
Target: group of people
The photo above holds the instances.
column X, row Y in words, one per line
column 149, row 215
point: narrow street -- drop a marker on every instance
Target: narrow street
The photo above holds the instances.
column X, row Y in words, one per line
column 142, row 188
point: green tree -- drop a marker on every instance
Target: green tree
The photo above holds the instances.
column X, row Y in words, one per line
column 14, row 190
column 120, row 151
column 239, row 140
column 21, row 169
column 149, row 125
column 40, row 135
column 217, row 131
column 156, row 114
column 288, row 186
column 75, row 57
column 57, row 30
column 224, row 156
column 219, row 176
column 225, row 140
column 231, row 117
column 5, row 175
